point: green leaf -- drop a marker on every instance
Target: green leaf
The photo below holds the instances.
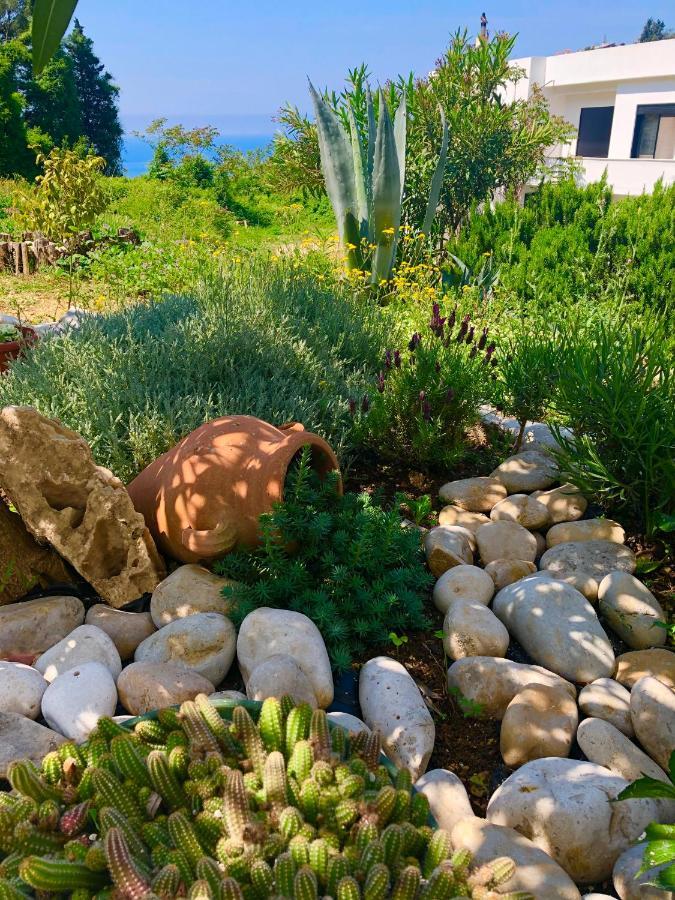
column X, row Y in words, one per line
column 666, row 878
column 665, row 522
column 437, row 180
column 359, row 176
column 657, row 853
column 386, row 195
column 647, row 787
column 671, row 766
column 50, row 21
column 400, row 133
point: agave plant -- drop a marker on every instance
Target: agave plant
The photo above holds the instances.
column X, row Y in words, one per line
column 365, row 177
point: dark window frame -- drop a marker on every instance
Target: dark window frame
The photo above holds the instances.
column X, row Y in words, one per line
column 661, row 110
column 595, row 131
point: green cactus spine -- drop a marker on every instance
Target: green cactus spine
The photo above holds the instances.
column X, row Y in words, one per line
column 129, row 760
column 52, row 768
column 235, row 805
column 262, row 879
column 207, row 869
column 230, row 890
column 337, row 869
column 338, row 739
column 164, row 781
column 297, row 726
column 319, row 734
column 346, row 813
column 284, row 874
column 438, row 850
column 25, row 778
column 318, row 859
column 385, row 803
column 301, row 760
column 249, row 736
column 392, row 844
column 166, row 882
column 201, row 890
column 8, row 891
column 305, row 886
column 184, row 837
column 419, row 809
column 169, row 718
column 198, row 731
column 440, row 884
column 348, row 889
column 309, row 800
column 376, row 886
column 271, row 724
column 151, row 732
column 110, row 792
column 407, row 885
column 131, row 883
column 274, row 781
column 59, row 876
column 290, row 822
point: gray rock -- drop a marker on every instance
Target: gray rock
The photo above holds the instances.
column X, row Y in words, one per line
column 188, row 590
column 473, row 494
column 85, row 644
column 505, row 540
column 606, row 699
column 631, row 886
column 557, row 626
column 605, row 745
column 652, row 710
column 585, row 563
column 33, row 626
column 21, row 689
column 447, row 796
column 144, row 686
column 463, row 583
column 471, row 629
column 350, row 723
column 21, row 738
column 631, row 610
column 525, row 472
column 391, row 703
column 279, row 675
column 564, row 806
column 75, row 701
column 126, row 629
column 493, row 683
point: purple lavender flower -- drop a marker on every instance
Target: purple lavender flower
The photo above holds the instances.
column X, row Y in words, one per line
column 488, row 353
column 473, row 353
column 426, row 411
column 437, row 320
column 463, row 328
column 387, row 359
column 470, row 335
column 352, row 406
column 438, row 367
column 422, row 397
column 415, row 341
column 380, row 383
column 397, row 359
column 365, row 403
column 449, row 395
column 483, row 339
column 452, row 318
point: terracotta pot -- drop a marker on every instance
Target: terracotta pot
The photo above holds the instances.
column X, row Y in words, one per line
column 10, row 350
column 203, row 498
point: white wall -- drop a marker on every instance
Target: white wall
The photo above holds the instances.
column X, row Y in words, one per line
column 628, row 98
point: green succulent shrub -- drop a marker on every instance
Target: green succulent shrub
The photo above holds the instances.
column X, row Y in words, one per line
column 344, row 561
column 660, row 848
column 615, row 388
column 191, row 804
column 428, row 393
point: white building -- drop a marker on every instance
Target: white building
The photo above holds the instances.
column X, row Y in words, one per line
column 621, row 100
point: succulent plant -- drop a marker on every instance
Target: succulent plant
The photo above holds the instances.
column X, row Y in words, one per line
column 278, row 808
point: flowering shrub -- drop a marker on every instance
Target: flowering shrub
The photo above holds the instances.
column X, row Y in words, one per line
column 427, row 394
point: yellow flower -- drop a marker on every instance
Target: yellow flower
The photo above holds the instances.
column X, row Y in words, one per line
column 388, row 231
column 350, row 246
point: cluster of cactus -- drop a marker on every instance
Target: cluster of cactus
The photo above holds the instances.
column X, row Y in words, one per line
column 193, row 805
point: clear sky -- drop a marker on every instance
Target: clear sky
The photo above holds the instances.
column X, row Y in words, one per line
column 233, row 63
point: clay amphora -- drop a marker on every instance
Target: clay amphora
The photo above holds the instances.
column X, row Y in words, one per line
column 203, row 498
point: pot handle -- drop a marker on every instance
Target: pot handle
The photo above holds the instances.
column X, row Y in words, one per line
column 210, row 543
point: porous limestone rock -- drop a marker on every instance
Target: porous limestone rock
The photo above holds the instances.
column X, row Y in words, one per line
column 126, row 629
column 144, row 686
column 565, row 807
column 22, row 738
column 21, row 689
column 506, row 571
column 525, row 472
column 188, row 590
column 606, row 699
column 631, row 610
column 75, row 701
column 505, row 540
column 267, row 632
column 463, row 583
column 29, row 628
column 473, row 494
column 447, row 796
column 492, row 682
column 470, row 628
column 24, row 564
column 585, row 530
column 278, row 675
column 454, row 515
column 557, row 626
column 536, row 873
column 630, row 885
column 540, row 721
column 205, row 642
column 445, row 546
column 564, row 504
column 652, row 710
column 81, row 509
column 521, row 508
column 585, row 563
column 85, row 644
column 634, row 665
column 392, row 704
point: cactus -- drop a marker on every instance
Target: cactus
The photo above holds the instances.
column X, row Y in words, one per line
column 25, row 779
column 271, row 724
column 166, row 882
column 58, row 876
column 164, row 781
column 124, row 873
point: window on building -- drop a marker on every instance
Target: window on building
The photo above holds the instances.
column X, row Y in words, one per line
column 595, row 127
column 654, row 135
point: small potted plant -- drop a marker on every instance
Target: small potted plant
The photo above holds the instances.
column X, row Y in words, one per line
column 13, row 340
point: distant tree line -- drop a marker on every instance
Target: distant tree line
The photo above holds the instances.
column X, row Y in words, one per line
column 74, row 100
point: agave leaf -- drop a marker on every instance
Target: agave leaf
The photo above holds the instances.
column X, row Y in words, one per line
column 372, row 137
column 50, row 21
column 400, row 133
column 386, row 196
column 437, row 179
column 337, row 165
column 359, row 176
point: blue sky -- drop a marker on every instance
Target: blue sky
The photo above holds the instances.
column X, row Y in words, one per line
column 234, row 63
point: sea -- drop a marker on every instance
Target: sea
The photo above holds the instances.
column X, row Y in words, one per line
column 136, row 153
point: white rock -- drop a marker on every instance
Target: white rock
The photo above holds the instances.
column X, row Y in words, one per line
column 445, row 546
column 392, row 704
column 606, row 699
column 471, row 629
column 493, row 682
column 144, row 686
column 631, row 886
column 505, row 540
column 586, row 530
column 228, row 695
column 540, row 721
column 447, row 796
column 350, row 723
column 473, row 494
column 267, row 632
column 521, row 508
column 565, row 807
column 453, row 515
column 631, row 610
column 22, row 738
column 505, row 571
column 75, row 701
column 605, row 745
column 279, row 675
column 652, row 710
column 85, row 644
column 557, row 626
column 21, row 689
column 463, row 583
column 585, row 563
column 126, row 629
column 535, row 873
column 188, row 590
column 634, row 665
column 34, row 626
column 564, row 504
column 205, row 642
column 525, row 472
